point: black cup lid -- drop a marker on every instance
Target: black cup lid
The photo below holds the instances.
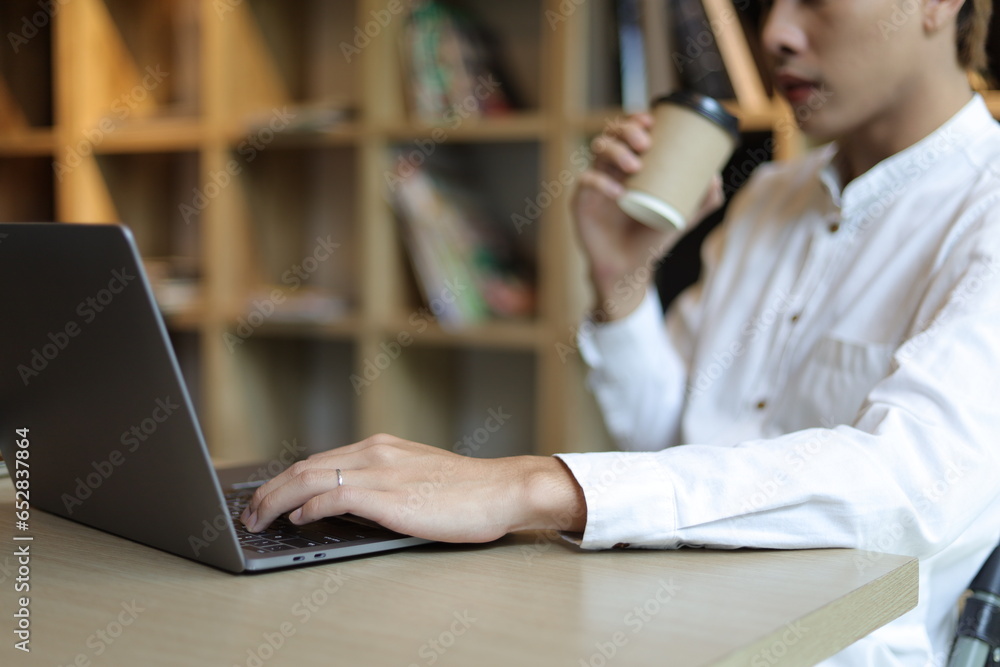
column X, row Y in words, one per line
column 707, row 106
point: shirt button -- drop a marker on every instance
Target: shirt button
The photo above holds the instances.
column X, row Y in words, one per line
column 761, row 405
column 834, row 227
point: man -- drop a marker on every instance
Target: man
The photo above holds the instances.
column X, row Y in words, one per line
column 831, row 377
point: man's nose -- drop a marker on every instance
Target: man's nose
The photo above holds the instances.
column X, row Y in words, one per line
column 783, row 34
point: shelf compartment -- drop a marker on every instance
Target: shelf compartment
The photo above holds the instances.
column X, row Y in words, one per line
column 151, row 136
column 476, row 402
column 28, row 143
column 26, row 189
column 25, row 67
column 153, row 195
column 521, row 33
column 596, row 122
column 141, row 61
column 502, row 334
column 513, row 127
column 599, row 85
column 502, row 180
column 302, row 316
column 514, row 38
column 290, row 390
column 187, row 350
column 289, row 54
column 297, row 213
column 245, row 136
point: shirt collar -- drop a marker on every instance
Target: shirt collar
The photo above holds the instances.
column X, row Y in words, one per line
column 890, row 176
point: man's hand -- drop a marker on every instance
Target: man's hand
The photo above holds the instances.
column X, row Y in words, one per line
column 424, row 491
column 616, row 245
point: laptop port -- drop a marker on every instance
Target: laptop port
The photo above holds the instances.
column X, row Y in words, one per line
column 299, row 558
column 320, row 556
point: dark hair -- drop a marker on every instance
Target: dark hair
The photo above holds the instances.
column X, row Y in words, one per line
column 973, row 27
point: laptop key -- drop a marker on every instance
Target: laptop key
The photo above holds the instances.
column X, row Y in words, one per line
column 267, row 550
column 300, row 542
column 323, row 538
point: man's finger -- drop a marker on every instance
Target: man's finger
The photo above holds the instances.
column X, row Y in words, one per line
column 300, row 482
column 357, row 500
column 289, row 496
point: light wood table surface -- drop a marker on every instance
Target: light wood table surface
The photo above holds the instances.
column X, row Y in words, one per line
column 529, row 599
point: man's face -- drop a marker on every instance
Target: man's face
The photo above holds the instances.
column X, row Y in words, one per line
column 843, row 64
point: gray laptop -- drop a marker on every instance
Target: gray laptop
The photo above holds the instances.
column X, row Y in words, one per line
column 88, row 374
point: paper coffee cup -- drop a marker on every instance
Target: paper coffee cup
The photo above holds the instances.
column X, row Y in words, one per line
column 693, row 138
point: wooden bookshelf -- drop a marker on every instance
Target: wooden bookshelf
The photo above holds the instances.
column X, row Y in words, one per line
column 178, row 117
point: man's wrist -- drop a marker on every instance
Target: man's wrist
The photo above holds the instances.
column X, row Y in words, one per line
column 619, row 302
column 550, row 496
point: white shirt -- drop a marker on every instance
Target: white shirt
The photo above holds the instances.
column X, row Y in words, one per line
column 833, row 379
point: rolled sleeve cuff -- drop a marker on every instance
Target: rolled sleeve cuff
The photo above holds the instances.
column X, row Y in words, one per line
column 629, row 344
column 630, row 500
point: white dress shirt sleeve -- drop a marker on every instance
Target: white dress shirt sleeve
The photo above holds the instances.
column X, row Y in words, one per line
column 639, row 367
column 916, row 467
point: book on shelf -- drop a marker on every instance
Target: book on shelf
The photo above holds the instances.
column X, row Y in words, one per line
column 316, row 117
column 662, row 75
column 734, row 45
column 635, row 87
column 705, row 46
column 451, row 65
column 696, row 53
column 468, row 271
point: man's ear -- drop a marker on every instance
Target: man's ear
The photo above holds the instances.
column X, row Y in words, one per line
column 939, row 13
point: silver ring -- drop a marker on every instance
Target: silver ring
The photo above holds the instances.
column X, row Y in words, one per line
column 340, row 478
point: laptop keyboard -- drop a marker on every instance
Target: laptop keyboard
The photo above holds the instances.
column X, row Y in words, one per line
column 283, row 535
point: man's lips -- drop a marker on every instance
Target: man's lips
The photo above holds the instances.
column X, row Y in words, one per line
column 796, row 89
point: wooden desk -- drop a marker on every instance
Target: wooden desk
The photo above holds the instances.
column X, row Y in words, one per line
column 529, row 599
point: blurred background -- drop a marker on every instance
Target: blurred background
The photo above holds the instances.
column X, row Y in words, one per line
column 354, row 213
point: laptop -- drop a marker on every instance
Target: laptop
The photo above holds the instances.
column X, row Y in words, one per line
column 91, row 389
